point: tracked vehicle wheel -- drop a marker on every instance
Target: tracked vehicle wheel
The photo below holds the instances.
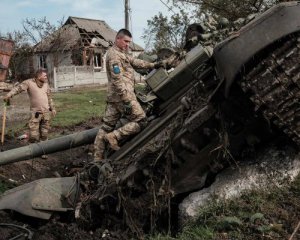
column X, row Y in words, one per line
column 274, row 85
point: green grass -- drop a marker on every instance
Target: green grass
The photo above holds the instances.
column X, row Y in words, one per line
column 255, row 215
column 16, row 129
column 192, row 232
column 73, row 107
column 5, row 185
column 76, row 106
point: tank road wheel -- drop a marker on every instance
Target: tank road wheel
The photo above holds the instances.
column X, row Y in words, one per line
column 274, row 86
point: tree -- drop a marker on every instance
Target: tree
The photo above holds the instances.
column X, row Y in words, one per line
column 22, row 51
column 230, row 9
column 165, row 31
column 34, row 31
column 37, row 29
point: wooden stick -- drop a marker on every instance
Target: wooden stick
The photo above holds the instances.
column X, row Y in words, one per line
column 3, row 124
column 295, row 231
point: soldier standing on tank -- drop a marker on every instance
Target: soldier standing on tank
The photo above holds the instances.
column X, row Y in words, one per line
column 121, row 99
column 41, row 105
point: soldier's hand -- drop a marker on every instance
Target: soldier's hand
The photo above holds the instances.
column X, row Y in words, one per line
column 127, row 108
column 53, row 112
column 6, row 99
column 160, row 64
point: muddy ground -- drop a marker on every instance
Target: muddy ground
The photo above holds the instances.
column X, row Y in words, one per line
column 17, row 115
column 57, row 164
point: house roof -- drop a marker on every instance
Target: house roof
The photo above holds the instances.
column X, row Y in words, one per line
column 63, row 39
column 76, row 30
column 93, row 25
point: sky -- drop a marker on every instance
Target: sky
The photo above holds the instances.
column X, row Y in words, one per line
column 13, row 12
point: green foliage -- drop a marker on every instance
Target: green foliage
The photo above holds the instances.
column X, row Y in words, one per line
column 4, row 185
column 189, row 233
column 163, row 31
column 255, row 215
column 229, row 223
column 73, row 107
column 34, row 30
column 160, row 237
column 197, row 233
column 231, row 9
column 76, row 106
column 15, row 129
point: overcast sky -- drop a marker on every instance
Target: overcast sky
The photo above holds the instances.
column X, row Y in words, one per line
column 12, row 12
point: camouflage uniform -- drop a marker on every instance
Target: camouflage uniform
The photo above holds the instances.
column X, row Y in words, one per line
column 41, row 105
column 120, row 73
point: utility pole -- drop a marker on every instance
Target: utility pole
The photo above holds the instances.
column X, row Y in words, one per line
column 127, row 9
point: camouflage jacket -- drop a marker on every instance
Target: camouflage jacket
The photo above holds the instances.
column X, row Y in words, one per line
column 40, row 97
column 120, row 73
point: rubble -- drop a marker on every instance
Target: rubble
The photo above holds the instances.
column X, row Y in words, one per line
column 272, row 169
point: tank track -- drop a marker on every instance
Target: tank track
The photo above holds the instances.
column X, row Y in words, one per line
column 274, row 86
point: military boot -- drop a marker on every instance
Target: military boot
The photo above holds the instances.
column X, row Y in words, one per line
column 112, row 140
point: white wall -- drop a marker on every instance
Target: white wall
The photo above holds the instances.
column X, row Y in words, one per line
column 70, row 76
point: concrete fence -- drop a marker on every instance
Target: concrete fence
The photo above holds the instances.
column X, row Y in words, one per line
column 70, row 76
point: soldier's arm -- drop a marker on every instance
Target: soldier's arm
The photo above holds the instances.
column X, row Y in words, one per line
column 138, row 63
column 50, row 100
column 115, row 69
column 18, row 89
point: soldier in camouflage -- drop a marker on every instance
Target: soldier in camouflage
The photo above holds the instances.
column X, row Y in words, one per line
column 121, row 99
column 41, row 104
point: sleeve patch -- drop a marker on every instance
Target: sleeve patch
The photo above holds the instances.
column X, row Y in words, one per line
column 116, row 69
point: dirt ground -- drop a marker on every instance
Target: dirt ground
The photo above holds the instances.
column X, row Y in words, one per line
column 18, row 112
column 17, row 115
column 57, row 164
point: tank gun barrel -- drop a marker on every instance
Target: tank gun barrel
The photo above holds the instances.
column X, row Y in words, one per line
column 47, row 147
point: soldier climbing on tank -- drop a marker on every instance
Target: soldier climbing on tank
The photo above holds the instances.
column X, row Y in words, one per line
column 121, row 98
column 41, row 105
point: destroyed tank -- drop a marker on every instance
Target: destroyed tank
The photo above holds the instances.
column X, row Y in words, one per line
column 217, row 106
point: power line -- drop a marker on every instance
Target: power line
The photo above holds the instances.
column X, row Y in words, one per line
column 167, row 6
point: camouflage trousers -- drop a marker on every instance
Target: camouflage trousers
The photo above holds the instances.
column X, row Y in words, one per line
column 113, row 113
column 39, row 125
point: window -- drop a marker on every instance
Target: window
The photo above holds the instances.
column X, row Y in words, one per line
column 42, row 61
column 97, row 60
